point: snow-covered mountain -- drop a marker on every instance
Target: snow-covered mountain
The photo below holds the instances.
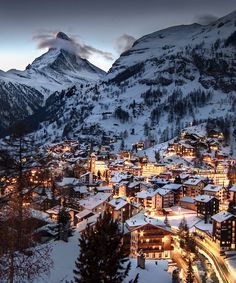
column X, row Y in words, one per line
column 23, row 92
column 168, row 80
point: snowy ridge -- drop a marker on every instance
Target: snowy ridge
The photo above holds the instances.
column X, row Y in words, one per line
column 53, row 71
column 169, row 80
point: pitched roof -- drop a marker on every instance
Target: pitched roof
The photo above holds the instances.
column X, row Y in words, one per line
column 222, row 216
column 94, row 201
column 203, row 198
column 118, row 203
column 212, row 188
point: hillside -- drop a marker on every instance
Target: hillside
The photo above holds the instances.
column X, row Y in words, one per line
column 168, row 80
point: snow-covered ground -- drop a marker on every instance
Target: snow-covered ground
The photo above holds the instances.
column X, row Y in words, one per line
column 178, row 214
column 64, row 256
column 152, row 273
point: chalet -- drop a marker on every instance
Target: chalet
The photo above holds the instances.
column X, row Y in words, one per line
column 182, row 149
column 147, row 198
column 149, row 236
column 84, row 214
column 224, row 230
column 65, row 186
column 188, row 203
column 216, row 191
column 121, row 209
column 206, row 206
column 96, row 203
column 177, row 189
column 132, row 188
column 104, row 189
column 79, row 191
column 88, row 222
column 164, row 198
column 193, row 187
column 216, row 134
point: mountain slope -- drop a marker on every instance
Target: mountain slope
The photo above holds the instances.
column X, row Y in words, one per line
column 23, row 92
column 168, row 80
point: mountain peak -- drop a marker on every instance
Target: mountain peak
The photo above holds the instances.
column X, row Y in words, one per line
column 62, row 35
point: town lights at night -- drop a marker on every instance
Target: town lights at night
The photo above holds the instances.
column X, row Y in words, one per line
column 117, row 141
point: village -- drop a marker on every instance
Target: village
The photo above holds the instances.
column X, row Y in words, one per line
column 191, row 180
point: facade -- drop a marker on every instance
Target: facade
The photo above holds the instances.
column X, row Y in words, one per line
column 164, row 199
column 182, row 149
column 224, row 230
column 153, row 241
column 207, row 206
column 121, row 210
column 188, row 203
column 177, row 189
column 216, row 191
column 193, row 187
column 152, row 169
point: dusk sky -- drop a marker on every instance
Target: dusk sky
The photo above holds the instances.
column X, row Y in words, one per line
column 108, row 27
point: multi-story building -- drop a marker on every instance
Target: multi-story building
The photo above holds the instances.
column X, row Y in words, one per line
column 164, row 198
column 224, row 230
column 216, row 191
column 149, row 236
column 152, row 169
column 206, row 206
column 193, row 187
column 177, row 189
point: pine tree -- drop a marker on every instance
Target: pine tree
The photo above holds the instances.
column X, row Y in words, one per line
column 166, row 221
column 102, row 256
column 63, row 224
column 190, row 273
column 22, row 258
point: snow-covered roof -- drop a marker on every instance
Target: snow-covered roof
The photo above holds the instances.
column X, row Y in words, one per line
column 68, row 181
column 186, row 145
column 163, row 192
column 192, row 182
column 94, row 201
column 103, row 188
column 133, row 184
column 172, row 186
column 222, row 216
column 203, row 198
column 40, row 215
column 117, row 203
column 187, row 199
column 205, row 227
column 81, row 189
column 212, row 188
column 81, row 226
column 146, row 193
column 140, row 219
column 83, row 213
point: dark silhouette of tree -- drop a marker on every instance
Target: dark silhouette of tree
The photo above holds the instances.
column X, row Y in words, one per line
column 190, row 273
column 21, row 257
column 102, row 254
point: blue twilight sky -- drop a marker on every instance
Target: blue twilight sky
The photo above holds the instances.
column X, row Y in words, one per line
column 105, row 26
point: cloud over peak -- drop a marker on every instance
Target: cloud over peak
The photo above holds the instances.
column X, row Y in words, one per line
column 123, row 42
column 60, row 40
